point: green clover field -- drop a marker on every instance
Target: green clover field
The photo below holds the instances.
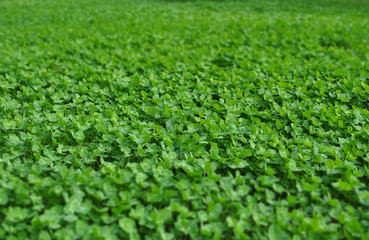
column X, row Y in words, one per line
column 184, row 119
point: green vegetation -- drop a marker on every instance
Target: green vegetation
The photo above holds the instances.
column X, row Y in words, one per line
column 184, row 119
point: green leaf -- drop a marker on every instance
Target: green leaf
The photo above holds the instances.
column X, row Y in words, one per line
column 283, row 153
column 44, row 235
column 162, row 216
column 169, row 125
column 79, row 136
column 247, row 153
column 17, row 214
column 63, row 170
column 276, row 233
column 128, row 225
column 208, row 169
column 342, row 185
column 9, row 124
column 4, row 197
column 330, row 164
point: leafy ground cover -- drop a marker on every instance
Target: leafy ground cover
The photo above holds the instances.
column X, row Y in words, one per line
column 184, row 119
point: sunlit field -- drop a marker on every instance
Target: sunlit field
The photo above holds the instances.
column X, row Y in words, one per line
column 184, row 119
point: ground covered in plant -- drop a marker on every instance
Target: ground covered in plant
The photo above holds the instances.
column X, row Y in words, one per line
column 184, row 119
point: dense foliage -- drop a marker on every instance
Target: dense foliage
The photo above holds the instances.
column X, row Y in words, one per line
column 184, row 119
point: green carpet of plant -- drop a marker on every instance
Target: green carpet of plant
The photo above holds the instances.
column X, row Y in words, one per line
column 184, row 119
